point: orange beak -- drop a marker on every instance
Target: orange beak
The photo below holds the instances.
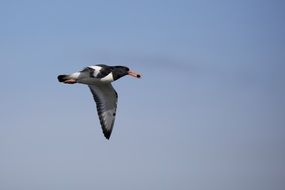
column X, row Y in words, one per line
column 70, row 81
column 134, row 74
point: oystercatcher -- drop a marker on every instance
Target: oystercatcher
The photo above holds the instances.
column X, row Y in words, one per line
column 99, row 79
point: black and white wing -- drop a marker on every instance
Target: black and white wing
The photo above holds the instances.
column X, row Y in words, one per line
column 106, row 99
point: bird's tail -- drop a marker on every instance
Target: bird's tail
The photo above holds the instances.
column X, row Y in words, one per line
column 62, row 78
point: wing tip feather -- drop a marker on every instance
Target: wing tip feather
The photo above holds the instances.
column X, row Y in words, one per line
column 107, row 136
column 107, row 133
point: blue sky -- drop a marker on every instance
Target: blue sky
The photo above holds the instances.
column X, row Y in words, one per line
column 207, row 114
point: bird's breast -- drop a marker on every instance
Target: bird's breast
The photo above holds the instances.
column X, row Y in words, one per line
column 108, row 78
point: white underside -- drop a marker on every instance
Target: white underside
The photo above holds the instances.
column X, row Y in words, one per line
column 90, row 81
column 108, row 78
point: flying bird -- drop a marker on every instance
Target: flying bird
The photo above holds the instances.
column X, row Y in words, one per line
column 99, row 79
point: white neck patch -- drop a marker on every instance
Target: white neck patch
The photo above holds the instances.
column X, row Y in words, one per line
column 108, row 78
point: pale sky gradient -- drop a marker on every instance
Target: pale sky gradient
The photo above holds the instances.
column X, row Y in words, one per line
column 208, row 114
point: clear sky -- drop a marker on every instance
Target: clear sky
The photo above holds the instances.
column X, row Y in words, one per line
column 208, row 114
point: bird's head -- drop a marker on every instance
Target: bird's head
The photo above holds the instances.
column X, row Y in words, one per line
column 120, row 71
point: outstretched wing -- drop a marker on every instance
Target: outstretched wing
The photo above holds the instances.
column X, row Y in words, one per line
column 106, row 99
